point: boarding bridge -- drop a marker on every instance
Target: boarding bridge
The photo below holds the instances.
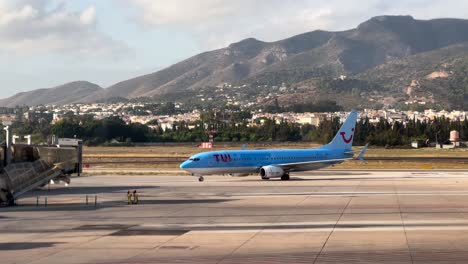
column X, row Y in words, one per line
column 26, row 167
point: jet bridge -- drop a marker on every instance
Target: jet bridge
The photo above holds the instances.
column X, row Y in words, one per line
column 26, row 167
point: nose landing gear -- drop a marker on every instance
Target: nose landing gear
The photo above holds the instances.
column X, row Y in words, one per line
column 201, row 179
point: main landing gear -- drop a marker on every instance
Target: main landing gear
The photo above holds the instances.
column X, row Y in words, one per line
column 200, row 179
column 284, row 177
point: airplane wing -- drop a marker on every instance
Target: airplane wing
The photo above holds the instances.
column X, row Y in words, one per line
column 292, row 166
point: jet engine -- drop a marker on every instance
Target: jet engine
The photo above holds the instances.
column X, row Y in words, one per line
column 270, row 171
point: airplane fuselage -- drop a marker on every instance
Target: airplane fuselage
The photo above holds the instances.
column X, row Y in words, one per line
column 275, row 163
column 250, row 161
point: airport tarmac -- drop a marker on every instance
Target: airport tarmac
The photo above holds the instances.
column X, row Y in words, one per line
column 317, row 217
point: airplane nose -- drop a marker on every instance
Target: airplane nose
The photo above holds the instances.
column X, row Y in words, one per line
column 184, row 165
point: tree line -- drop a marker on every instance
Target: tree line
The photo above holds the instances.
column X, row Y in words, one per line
column 233, row 127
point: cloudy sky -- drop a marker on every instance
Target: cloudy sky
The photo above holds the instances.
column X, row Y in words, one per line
column 44, row 43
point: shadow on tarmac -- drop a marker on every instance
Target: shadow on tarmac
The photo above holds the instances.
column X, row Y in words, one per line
column 26, row 245
column 326, row 173
column 353, row 179
column 192, row 201
column 61, row 190
column 30, row 207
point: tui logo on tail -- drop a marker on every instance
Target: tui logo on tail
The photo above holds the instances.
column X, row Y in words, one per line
column 344, row 138
column 347, row 140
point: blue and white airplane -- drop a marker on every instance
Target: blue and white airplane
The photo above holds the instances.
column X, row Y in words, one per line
column 276, row 163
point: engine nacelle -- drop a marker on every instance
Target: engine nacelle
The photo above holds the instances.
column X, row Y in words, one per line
column 271, row 172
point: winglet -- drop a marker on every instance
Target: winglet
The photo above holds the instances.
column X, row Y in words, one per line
column 243, row 147
column 361, row 154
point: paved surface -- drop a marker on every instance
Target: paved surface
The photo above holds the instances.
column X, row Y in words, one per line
column 318, row 217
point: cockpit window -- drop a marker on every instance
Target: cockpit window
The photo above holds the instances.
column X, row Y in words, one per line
column 194, row 159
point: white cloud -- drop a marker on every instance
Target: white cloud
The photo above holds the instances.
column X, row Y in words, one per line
column 88, row 16
column 24, row 13
column 181, row 11
column 215, row 23
column 41, row 27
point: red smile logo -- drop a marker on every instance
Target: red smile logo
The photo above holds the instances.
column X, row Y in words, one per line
column 346, row 140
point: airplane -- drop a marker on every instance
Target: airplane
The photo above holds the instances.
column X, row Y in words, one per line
column 276, row 163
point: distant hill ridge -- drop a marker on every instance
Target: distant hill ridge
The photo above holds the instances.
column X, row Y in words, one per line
column 315, row 54
column 63, row 94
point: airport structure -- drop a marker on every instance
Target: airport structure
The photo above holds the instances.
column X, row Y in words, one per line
column 338, row 215
column 24, row 166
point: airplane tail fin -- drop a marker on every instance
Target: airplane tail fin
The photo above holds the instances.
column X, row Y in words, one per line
column 344, row 138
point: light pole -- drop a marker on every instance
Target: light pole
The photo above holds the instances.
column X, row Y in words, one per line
column 7, row 145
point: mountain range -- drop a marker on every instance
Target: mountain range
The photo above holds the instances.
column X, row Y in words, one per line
column 63, row 94
column 391, row 52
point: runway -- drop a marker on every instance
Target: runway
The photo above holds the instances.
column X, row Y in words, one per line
column 317, row 217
